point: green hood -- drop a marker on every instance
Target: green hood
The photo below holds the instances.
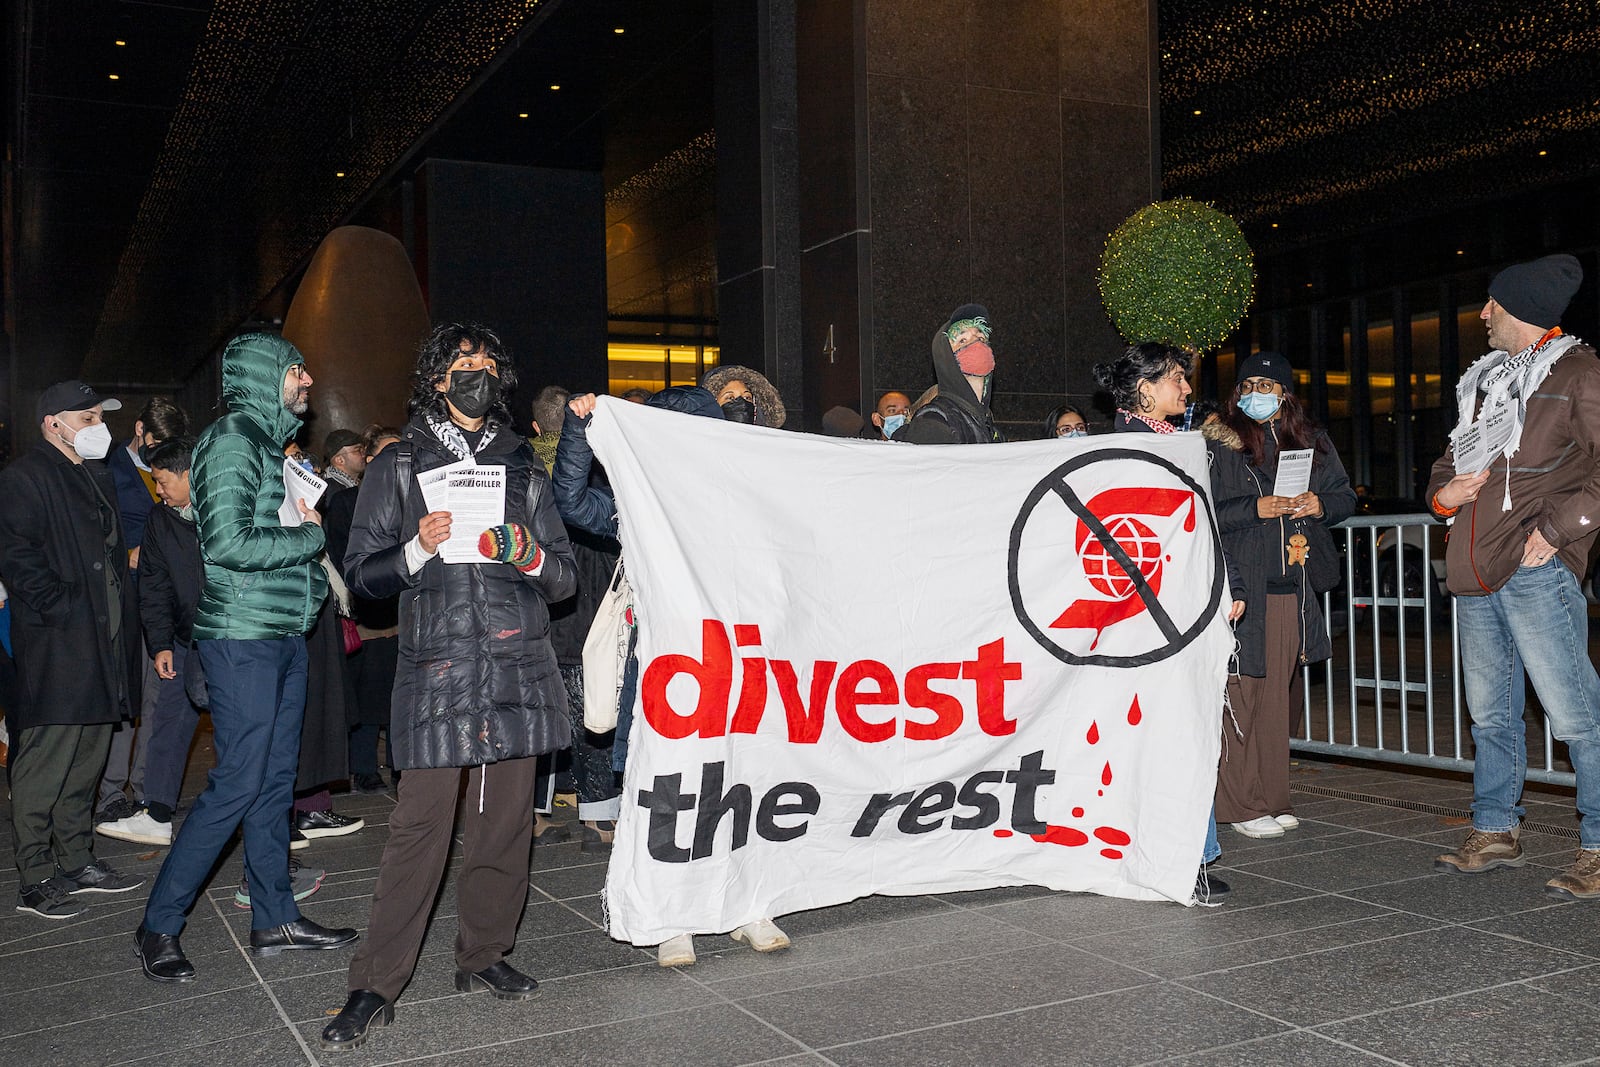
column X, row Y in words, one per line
column 253, row 367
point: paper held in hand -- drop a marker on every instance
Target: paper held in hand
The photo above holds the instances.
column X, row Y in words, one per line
column 474, row 496
column 1294, row 472
column 298, row 484
column 1478, row 444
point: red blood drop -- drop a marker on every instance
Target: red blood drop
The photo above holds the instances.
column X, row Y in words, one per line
column 1077, row 813
column 1002, row 833
column 1134, row 714
column 1111, row 835
column 1099, row 792
column 1111, row 854
column 1105, row 775
column 1094, row 733
column 1061, row 835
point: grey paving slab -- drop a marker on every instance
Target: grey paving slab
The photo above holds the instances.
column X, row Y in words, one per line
column 1205, row 929
column 563, row 883
column 1463, row 898
column 1373, row 861
column 1325, row 986
column 860, row 1008
column 274, row 1047
column 151, row 1028
column 860, row 951
column 862, row 912
column 1287, row 946
column 1489, row 1028
column 1571, row 927
column 439, row 1025
column 1126, row 1027
column 706, row 1037
column 1299, row 1048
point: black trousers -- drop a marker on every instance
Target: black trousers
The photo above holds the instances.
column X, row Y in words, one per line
column 54, row 771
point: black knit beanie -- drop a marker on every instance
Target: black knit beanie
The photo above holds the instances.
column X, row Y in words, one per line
column 1538, row 292
column 1267, row 365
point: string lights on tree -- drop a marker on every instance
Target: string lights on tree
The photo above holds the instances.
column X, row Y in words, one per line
column 1179, row 272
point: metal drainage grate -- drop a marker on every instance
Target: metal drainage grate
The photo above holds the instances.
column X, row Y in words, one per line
column 1568, row 832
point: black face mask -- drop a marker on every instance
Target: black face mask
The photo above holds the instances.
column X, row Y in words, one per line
column 473, row 392
column 740, row 409
column 145, row 452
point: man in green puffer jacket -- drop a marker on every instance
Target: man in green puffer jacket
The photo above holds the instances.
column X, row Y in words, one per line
column 262, row 592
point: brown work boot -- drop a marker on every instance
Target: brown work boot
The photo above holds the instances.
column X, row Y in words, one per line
column 1482, row 852
column 1581, row 881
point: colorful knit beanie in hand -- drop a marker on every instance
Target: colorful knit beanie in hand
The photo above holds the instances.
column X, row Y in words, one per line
column 512, row 543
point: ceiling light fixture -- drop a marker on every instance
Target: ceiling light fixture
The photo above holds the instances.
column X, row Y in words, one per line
column 122, row 44
column 619, row 29
column 1197, row 111
column 1274, row 225
column 338, row 174
column 522, row 114
column 553, row 88
column 1542, row 152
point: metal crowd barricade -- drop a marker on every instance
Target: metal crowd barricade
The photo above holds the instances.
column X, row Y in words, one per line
column 1392, row 691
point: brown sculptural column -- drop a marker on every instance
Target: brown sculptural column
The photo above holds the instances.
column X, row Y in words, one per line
column 357, row 317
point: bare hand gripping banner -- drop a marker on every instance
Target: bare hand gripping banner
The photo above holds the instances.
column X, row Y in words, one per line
column 877, row 668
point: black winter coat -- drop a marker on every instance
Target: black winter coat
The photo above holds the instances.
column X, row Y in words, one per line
column 477, row 680
column 1259, row 546
column 171, row 577
column 59, row 536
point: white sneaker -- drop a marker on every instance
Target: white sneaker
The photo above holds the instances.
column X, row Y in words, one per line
column 139, row 828
column 763, row 935
column 1287, row 821
column 1266, row 826
column 676, row 951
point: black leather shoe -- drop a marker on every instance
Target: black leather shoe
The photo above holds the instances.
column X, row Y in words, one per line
column 161, row 957
column 302, row 934
column 503, row 981
column 349, row 1028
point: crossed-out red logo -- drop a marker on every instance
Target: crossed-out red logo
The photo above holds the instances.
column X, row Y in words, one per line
column 1093, row 556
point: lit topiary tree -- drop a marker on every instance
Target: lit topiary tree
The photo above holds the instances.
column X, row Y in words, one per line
column 1179, row 272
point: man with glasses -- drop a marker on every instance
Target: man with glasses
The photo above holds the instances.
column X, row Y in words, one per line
column 345, row 453
column 263, row 588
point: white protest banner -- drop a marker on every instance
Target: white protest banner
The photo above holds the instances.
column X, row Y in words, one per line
column 875, row 668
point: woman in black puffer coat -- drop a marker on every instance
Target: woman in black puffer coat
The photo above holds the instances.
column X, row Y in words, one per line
column 1286, row 557
column 477, row 688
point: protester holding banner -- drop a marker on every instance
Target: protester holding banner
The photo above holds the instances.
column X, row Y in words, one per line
column 477, row 683
column 963, row 365
column 1275, row 527
column 745, row 396
column 1150, row 385
column 591, row 507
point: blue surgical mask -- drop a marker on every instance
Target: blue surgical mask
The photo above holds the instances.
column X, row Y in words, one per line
column 1260, row 406
column 892, row 423
column 1076, row 431
column 304, row 464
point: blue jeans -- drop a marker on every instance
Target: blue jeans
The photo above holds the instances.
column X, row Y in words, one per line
column 258, row 699
column 1213, row 846
column 1538, row 622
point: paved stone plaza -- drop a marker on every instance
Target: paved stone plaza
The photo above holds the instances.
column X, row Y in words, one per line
column 1339, row 945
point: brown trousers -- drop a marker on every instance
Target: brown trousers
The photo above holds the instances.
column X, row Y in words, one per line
column 1253, row 777
column 493, row 887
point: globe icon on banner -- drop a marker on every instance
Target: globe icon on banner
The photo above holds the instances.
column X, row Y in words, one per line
column 1105, row 574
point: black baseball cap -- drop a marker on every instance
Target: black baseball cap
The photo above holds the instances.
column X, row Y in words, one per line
column 339, row 440
column 71, row 395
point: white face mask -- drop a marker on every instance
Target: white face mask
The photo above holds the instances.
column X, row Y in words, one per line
column 92, row 442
